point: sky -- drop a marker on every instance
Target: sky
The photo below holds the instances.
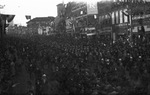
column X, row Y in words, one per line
column 35, row 8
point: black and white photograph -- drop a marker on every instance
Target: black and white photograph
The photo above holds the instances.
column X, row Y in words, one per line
column 74, row 47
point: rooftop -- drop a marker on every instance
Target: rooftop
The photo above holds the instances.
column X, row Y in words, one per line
column 42, row 19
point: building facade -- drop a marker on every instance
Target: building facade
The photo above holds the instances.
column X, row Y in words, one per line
column 120, row 17
column 59, row 21
column 112, row 17
column 41, row 25
column 60, row 9
column 83, row 17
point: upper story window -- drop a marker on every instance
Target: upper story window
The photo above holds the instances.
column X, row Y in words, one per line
column 117, row 17
column 125, row 17
column 121, row 16
column 113, row 18
column 81, row 12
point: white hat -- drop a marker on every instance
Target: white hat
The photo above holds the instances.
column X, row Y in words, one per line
column 44, row 75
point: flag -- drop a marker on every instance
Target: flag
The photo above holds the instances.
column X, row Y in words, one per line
column 28, row 17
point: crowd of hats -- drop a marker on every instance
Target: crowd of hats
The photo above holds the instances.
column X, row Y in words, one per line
column 86, row 66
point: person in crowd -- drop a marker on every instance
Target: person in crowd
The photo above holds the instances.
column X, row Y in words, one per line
column 82, row 65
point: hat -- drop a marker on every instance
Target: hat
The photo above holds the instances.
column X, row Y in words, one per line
column 44, row 75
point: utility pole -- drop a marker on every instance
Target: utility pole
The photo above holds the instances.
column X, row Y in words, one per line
column 129, row 14
column 130, row 22
column 131, row 6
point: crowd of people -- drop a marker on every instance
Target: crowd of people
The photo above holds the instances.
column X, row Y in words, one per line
column 76, row 65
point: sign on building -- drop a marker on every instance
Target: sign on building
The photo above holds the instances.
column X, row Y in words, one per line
column 92, row 8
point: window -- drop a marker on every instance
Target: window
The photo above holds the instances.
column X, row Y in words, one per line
column 117, row 17
column 81, row 12
column 100, row 19
column 95, row 16
column 125, row 18
column 109, row 19
column 121, row 16
column 113, row 18
column 125, row 0
column 106, row 19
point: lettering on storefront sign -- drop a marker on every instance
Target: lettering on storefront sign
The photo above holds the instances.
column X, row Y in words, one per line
column 141, row 17
column 91, row 28
column 145, row 22
column 122, row 24
column 107, row 29
column 135, row 23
